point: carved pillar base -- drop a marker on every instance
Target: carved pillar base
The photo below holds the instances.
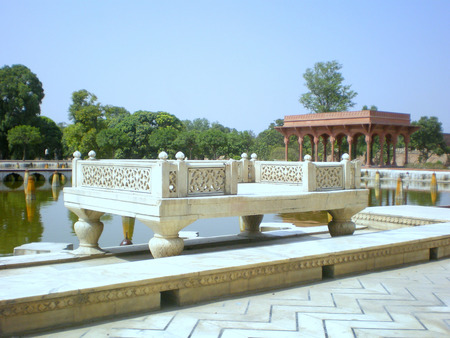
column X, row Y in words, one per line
column 88, row 230
column 166, row 242
column 249, row 225
column 161, row 246
column 342, row 225
column 341, row 228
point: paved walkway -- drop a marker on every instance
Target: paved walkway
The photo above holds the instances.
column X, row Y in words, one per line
column 412, row 301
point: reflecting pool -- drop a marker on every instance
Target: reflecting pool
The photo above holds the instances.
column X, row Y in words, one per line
column 45, row 219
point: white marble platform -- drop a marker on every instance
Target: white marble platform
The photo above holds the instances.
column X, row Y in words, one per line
column 64, row 294
column 399, row 216
column 41, row 247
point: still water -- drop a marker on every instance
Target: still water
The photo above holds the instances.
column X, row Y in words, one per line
column 45, row 219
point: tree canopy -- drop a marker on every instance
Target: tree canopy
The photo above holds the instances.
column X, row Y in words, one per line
column 23, row 137
column 51, row 137
column 326, row 91
column 88, row 117
column 113, row 132
column 21, row 94
column 429, row 139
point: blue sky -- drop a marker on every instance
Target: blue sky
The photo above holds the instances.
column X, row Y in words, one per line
column 236, row 62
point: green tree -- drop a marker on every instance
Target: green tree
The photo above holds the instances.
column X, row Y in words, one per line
column 86, row 110
column 51, row 136
column 197, row 124
column 163, row 139
column 187, row 142
column 145, row 124
column 72, row 136
column 326, row 91
column 213, row 142
column 88, row 117
column 239, row 142
column 114, row 114
column 372, row 107
column 429, row 139
column 139, row 135
column 23, row 137
column 113, row 142
column 269, row 139
column 21, row 94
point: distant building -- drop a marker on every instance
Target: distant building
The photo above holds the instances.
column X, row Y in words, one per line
column 334, row 127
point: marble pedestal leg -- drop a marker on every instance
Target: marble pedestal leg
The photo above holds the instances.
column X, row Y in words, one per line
column 166, row 241
column 342, row 224
column 88, row 230
column 249, row 225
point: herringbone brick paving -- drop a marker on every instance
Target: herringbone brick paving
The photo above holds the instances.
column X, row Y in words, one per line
column 411, row 301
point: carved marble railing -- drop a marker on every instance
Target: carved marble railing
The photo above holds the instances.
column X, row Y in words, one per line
column 181, row 178
column 160, row 178
column 311, row 176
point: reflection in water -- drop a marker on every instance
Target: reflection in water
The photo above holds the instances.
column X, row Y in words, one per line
column 128, row 230
column 399, row 192
column 306, row 219
column 433, row 188
column 31, row 208
column 20, row 218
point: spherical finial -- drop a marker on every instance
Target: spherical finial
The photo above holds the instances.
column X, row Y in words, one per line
column 244, row 156
column 77, row 155
column 179, row 156
column 307, row 158
column 163, row 156
column 345, row 157
column 254, row 156
column 92, row 155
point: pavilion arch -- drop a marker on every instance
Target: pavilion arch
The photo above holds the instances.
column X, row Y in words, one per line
column 328, row 128
column 358, row 142
column 324, row 140
column 341, row 147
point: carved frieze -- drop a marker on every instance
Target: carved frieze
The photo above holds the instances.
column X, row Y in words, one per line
column 206, row 180
column 172, row 182
column 281, row 173
column 329, row 177
column 116, row 177
column 368, row 219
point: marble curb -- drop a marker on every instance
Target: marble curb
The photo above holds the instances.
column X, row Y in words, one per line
column 46, row 296
column 395, row 217
column 66, row 256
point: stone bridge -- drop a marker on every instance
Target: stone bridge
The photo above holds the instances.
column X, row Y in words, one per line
column 45, row 175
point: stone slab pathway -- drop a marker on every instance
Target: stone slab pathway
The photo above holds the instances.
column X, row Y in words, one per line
column 412, row 301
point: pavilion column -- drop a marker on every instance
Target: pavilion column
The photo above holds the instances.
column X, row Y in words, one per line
column 394, row 150
column 350, row 143
column 286, row 143
column 382, row 139
column 324, row 142
column 316, row 149
column 300, row 148
column 388, row 151
column 332, row 139
column 369, row 150
column 406, row 139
